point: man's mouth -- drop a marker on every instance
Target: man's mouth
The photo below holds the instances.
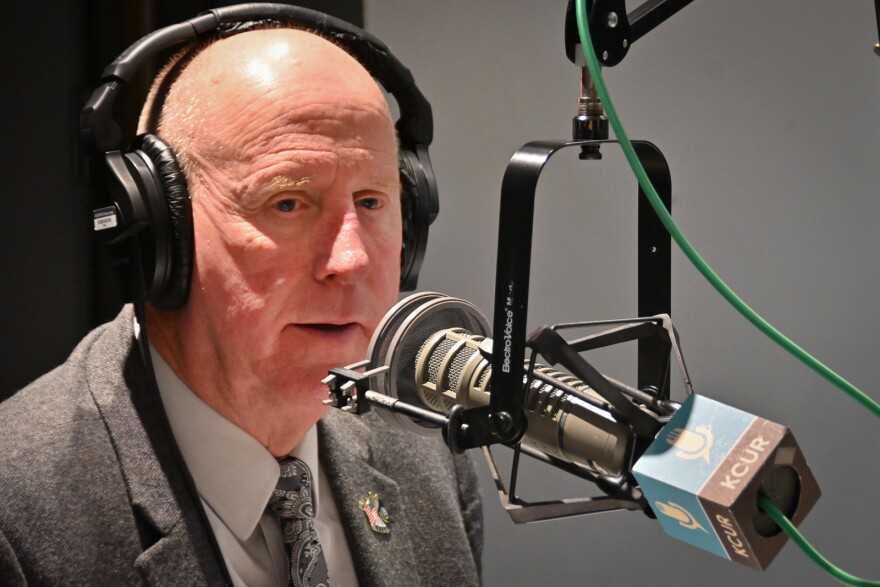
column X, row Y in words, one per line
column 327, row 327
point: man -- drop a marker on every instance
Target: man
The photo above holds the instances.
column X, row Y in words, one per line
column 291, row 161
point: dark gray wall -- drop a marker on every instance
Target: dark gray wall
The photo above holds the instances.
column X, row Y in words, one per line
column 767, row 114
column 44, row 252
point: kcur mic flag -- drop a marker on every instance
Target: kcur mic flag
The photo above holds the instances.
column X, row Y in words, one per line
column 703, row 473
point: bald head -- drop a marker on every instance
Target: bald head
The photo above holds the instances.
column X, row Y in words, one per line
column 254, row 76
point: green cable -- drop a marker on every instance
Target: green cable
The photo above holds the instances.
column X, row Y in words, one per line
column 798, row 538
column 686, row 246
column 709, row 273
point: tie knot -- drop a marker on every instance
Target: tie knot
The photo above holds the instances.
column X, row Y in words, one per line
column 292, row 497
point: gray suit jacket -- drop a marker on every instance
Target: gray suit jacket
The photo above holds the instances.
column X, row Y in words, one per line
column 93, row 491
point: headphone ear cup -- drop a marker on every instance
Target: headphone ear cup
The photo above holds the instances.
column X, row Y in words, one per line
column 176, row 210
column 419, row 205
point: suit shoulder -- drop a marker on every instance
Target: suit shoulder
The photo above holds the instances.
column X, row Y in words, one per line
column 60, row 474
column 56, row 417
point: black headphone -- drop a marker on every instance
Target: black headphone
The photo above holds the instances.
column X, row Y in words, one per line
column 150, row 204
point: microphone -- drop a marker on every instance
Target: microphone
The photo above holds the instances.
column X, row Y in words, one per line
column 701, row 474
column 438, row 355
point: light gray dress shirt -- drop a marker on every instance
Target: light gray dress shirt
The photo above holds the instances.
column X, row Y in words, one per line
column 234, row 476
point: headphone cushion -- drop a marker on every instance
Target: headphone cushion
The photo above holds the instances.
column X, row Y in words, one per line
column 179, row 207
column 416, row 219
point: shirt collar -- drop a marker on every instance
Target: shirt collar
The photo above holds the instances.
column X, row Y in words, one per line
column 234, row 474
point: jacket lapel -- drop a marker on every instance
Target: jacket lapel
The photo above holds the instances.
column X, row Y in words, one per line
column 178, row 548
column 345, row 454
column 174, row 561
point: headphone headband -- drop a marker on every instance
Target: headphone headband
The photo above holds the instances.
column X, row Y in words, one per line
column 100, row 132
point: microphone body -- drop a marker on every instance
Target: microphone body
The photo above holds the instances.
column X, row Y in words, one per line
column 451, row 369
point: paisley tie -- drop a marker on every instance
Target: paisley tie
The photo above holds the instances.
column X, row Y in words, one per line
column 292, row 502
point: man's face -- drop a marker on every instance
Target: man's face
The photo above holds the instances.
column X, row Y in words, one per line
column 297, row 218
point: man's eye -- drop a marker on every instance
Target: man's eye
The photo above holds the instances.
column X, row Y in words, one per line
column 287, row 205
column 370, row 203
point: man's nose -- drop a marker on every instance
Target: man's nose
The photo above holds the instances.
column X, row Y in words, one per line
column 347, row 259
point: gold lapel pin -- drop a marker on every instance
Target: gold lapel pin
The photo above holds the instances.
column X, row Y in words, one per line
column 376, row 514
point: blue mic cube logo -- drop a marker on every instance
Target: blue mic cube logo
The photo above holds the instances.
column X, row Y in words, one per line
column 703, row 472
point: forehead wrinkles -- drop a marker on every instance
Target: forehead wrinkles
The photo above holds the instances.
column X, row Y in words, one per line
column 359, row 132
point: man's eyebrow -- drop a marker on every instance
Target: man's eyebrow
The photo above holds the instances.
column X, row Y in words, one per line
column 251, row 200
column 386, row 184
column 284, row 181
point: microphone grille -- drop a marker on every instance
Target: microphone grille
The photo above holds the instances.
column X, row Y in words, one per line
column 435, row 401
column 458, row 362
column 399, row 338
column 436, row 357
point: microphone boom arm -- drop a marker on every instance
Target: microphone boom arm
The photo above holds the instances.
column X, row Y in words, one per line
column 613, row 30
